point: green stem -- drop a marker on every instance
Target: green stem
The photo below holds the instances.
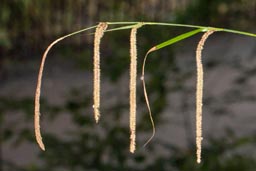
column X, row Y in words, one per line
column 240, row 32
column 185, row 25
column 77, row 32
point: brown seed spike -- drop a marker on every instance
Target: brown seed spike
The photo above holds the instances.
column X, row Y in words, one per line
column 199, row 93
column 38, row 87
column 133, row 79
column 101, row 28
column 38, row 93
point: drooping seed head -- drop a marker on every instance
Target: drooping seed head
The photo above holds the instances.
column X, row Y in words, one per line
column 38, row 94
column 133, row 78
column 199, row 93
column 101, row 28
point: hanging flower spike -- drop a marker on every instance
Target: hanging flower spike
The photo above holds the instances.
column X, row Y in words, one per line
column 101, row 28
column 39, row 83
column 133, row 79
column 199, row 94
column 38, row 94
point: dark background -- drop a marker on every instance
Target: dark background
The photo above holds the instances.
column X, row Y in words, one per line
column 73, row 141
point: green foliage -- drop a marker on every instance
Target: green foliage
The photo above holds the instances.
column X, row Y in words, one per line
column 178, row 38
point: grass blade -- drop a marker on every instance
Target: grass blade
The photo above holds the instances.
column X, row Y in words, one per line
column 176, row 39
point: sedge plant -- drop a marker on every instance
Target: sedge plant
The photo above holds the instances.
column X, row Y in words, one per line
column 103, row 27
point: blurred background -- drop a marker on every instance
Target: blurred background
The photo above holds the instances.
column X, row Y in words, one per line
column 73, row 140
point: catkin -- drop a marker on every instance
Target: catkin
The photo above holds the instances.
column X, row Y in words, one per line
column 38, row 93
column 133, row 78
column 38, row 87
column 199, row 93
column 96, row 62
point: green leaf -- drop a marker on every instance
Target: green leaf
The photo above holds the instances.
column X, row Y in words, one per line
column 178, row 38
